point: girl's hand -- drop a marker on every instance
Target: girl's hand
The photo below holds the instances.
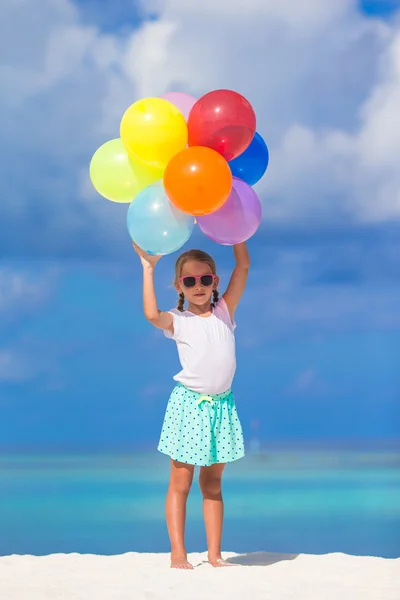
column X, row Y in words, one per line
column 147, row 260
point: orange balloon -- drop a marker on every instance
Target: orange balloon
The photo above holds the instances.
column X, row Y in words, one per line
column 198, row 180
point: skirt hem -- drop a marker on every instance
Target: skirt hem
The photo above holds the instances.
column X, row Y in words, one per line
column 201, row 464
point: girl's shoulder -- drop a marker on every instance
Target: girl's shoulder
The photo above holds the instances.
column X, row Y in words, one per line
column 178, row 317
column 221, row 310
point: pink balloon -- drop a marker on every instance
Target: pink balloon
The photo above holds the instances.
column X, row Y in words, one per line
column 182, row 101
column 237, row 220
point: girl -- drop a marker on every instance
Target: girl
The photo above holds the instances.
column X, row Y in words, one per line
column 201, row 425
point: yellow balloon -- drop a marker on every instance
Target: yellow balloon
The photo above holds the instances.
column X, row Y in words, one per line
column 117, row 176
column 153, row 131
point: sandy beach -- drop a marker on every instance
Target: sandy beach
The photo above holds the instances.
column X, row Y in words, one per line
column 258, row 576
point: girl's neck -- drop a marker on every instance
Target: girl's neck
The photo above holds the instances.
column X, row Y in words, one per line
column 202, row 311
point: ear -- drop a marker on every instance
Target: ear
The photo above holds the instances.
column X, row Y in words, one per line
column 216, row 283
column 178, row 287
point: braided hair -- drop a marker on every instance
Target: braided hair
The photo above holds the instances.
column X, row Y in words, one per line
column 215, row 297
column 181, row 302
column 199, row 256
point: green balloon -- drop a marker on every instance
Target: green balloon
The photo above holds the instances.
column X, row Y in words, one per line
column 117, row 176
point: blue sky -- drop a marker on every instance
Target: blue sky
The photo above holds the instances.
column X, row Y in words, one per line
column 319, row 328
column 380, row 8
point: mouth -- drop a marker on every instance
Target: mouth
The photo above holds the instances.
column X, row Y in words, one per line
column 199, row 295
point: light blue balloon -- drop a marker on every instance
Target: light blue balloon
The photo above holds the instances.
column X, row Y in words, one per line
column 155, row 225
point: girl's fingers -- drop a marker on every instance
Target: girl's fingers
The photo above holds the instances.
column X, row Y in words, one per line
column 137, row 249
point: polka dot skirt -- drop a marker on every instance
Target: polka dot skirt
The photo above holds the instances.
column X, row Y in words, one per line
column 201, row 430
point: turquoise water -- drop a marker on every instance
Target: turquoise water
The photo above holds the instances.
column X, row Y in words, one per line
column 312, row 502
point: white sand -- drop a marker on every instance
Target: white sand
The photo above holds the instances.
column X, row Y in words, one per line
column 258, row 576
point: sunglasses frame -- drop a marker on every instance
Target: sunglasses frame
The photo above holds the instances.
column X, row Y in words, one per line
column 197, row 278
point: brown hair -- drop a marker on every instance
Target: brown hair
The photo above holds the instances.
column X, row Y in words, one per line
column 199, row 256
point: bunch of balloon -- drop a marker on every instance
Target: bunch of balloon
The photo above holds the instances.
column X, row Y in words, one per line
column 179, row 159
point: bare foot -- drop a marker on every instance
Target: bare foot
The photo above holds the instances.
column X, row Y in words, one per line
column 219, row 562
column 180, row 562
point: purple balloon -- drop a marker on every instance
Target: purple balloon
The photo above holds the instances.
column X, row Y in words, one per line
column 237, row 220
column 182, row 101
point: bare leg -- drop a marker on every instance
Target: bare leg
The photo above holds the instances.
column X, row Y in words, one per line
column 213, row 510
column 180, row 482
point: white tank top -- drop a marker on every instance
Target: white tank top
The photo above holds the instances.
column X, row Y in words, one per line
column 206, row 348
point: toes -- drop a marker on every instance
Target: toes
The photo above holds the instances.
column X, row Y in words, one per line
column 186, row 566
column 220, row 562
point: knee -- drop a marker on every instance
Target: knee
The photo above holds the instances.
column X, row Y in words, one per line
column 210, row 487
column 181, row 486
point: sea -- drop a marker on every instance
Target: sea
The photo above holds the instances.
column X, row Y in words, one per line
column 282, row 500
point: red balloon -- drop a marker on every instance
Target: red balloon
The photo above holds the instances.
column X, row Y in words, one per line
column 224, row 121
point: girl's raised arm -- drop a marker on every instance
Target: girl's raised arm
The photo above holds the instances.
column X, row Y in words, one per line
column 238, row 279
column 162, row 320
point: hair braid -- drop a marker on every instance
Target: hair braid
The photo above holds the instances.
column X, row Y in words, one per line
column 181, row 302
column 215, row 297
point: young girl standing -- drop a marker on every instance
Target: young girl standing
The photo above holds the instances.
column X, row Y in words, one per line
column 201, row 425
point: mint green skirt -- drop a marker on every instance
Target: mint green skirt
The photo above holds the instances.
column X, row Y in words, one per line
column 201, row 430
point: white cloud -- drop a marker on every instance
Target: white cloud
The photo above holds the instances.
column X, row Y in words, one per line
column 324, row 81
column 307, row 382
column 29, row 358
column 13, row 368
column 335, row 170
column 23, row 290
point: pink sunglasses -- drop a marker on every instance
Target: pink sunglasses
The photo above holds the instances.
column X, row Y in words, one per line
column 191, row 280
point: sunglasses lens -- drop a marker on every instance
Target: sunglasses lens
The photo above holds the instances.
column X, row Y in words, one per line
column 206, row 280
column 189, row 282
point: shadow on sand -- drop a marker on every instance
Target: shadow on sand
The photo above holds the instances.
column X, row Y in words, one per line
column 260, row 559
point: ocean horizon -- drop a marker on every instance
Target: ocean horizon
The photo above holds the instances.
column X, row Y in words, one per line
column 284, row 500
